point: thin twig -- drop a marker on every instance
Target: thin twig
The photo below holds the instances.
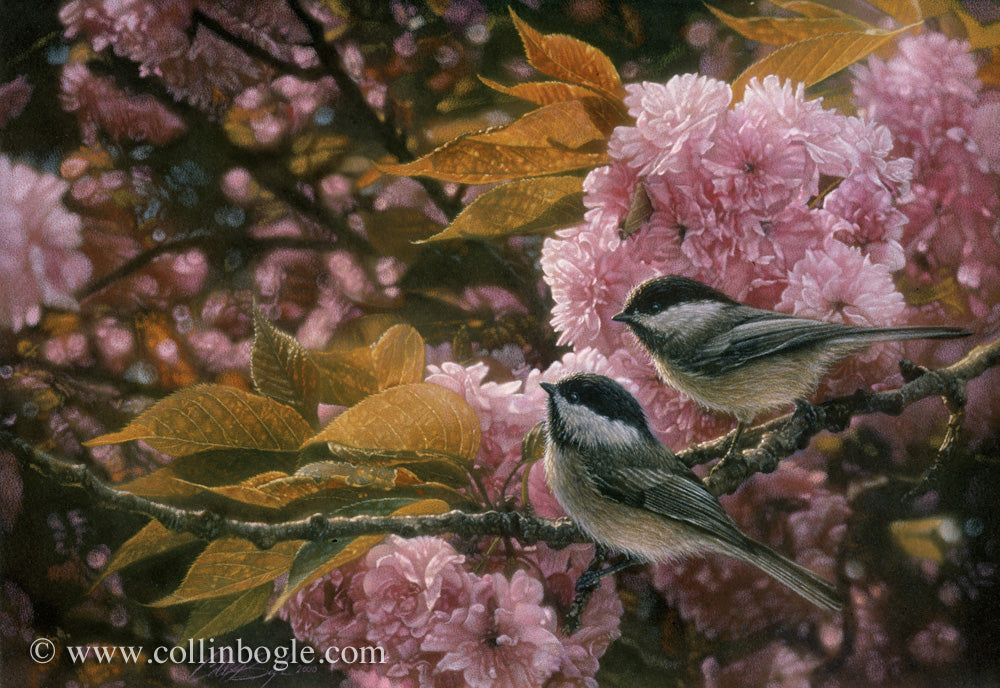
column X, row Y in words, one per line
column 358, row 107
column 199, row 18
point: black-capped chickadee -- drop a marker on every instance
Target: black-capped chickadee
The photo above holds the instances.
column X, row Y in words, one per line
column 629, row 492
column 742, row 360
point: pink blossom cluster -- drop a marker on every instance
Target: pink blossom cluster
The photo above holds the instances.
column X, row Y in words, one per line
column 442, row 625
column 732, row 193
column 40, row 261
column 14, row 97
column 102, row 107
column 199, row 66
column 928, row 94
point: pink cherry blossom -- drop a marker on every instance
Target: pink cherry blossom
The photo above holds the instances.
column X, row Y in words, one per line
column 14, row 97
column 502, row 637
column 39, row 261
column 674, row 122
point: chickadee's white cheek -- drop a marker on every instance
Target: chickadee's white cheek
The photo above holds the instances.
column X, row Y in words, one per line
column 684, row 316
column 592, row 428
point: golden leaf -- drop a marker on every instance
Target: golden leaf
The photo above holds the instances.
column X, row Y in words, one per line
column 393, row 231
column 223, row 614
column 568, row 124
column 542, row 92
column 316, row 559
column 213, row 417
column 934, row 8
column 570, row 59
column 420, row 416
column 814, row 59
column 542, row 142
column 398, row 357
column 780, row 30
column 345, row 376
column 153, row 539
column 281, row 368
column 431, row 466
column 807, row 8
column 903, row 11
column 229, row 566
column 522, row 206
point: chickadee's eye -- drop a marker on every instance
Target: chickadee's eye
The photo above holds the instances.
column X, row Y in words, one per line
column 572, row 397
column 655, row 307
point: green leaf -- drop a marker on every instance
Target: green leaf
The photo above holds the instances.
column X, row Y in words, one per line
column 217, row 616
column 229, row 566
column 153, row 539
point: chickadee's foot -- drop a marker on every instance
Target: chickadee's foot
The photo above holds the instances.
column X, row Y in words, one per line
column 590, row 579
column 805, row 411
column 586, row 584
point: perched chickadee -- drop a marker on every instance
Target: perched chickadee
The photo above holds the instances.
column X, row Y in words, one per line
column 630, row 493
column 741, row 360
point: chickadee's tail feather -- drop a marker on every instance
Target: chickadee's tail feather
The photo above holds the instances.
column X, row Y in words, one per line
column 799, row 579
column 896, row 334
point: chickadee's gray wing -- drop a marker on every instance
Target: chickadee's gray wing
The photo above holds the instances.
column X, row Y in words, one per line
column 678, row 494
column 755, row 334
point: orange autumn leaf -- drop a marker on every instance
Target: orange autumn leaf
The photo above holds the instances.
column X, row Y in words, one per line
column 542, row 142
column 542, row 92
column 231, row 565
column 570, row 59
column 281, row 368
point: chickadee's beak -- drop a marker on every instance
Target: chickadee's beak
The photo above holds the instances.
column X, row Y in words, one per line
column 548, row 387
column 622, row 317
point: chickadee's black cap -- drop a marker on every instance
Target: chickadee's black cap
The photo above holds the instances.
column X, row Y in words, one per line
column 602, row 395
column 660, row 293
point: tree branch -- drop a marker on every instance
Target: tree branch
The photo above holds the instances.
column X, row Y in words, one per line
column 318, row 527
column 784, row 436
